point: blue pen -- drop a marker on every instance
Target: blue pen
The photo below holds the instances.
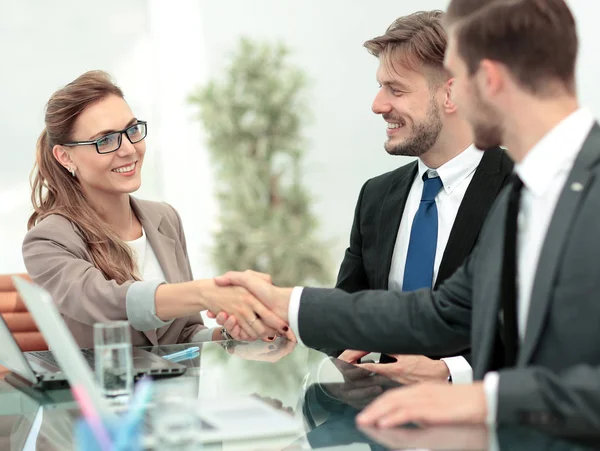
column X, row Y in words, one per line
column 186, row 353
column 139, row 404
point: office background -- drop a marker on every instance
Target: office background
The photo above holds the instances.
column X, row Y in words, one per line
column 159, row 52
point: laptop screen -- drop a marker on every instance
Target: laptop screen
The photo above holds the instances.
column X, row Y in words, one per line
column 11, row 356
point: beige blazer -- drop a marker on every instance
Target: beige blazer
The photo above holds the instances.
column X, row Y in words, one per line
column 57, row 258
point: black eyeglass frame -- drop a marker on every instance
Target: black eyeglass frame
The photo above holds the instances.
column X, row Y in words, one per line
column 120, row 138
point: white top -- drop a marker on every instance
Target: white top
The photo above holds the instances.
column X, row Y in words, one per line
column 149, row 270
column 145, row 259
column 544, row 172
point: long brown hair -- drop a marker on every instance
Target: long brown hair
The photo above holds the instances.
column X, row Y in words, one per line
column 56, row 192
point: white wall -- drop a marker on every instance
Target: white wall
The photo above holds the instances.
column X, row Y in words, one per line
column 44, row 45
column 159, row 50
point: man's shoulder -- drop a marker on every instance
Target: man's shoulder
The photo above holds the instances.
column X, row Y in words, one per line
column 383, row 182
column 496, row 160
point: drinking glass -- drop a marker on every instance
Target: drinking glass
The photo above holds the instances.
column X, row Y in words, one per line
column 113, row 359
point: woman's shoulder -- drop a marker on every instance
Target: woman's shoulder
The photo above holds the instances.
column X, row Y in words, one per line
column 53, row 225
column 161, row 209
column 53, row 229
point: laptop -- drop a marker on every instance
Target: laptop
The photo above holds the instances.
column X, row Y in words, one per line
column 42, row 369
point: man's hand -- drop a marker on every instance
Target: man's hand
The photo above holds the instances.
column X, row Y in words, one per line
column 276, row 299
column 359, row 387
column 410, row 369
column 352, row 356
column 430, row 403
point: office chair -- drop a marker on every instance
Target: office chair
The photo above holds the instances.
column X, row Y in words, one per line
column 17, row 317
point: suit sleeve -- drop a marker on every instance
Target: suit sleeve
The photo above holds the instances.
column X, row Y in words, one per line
column 352, row 276
column 568, row 400
column 417, row 322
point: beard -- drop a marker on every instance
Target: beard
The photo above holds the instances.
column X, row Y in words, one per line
column 423, row 137
column 489, row 134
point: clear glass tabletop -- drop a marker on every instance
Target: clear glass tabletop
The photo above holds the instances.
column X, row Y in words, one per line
column 320, row 393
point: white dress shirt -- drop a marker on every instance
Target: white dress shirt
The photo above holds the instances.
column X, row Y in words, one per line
column 456, row 175
column 149, row 269
column 544, row 172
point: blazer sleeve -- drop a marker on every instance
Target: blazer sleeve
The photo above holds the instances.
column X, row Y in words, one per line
column 537, row 396
column 352, row 276
column 57, row 258
column 417, row 322
column 194, row 323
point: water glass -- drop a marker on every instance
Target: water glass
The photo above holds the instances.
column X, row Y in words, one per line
column 178, row 425
column 175, row 423
column 113, row 359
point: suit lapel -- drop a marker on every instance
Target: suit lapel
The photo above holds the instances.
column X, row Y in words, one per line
column 487, row 181
column 162, row 245
column 392, row 209
column 558, row 231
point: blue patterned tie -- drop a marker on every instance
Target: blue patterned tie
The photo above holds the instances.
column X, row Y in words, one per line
column 418, row 271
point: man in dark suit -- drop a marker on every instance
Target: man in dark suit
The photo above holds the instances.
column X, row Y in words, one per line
column 386, row 242
column 526, row 299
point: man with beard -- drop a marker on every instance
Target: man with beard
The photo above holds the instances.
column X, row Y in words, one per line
column 413, row 227
column 526, row 299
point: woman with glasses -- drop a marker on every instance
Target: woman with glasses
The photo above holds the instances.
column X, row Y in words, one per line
column 104, row 255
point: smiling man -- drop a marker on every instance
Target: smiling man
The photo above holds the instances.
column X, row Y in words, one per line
column 414, row 226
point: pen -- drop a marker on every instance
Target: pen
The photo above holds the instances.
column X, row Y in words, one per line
column 92, row 418
column 189, row 352
column 139, row 404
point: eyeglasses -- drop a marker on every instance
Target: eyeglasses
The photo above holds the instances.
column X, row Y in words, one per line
column 112, row 142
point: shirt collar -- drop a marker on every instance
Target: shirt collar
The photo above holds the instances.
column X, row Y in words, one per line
column 453, row 172
column 555, row 152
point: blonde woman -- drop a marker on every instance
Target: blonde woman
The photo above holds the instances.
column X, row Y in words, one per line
column 104, row 255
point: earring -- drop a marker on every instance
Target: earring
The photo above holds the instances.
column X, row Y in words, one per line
column 72, row 171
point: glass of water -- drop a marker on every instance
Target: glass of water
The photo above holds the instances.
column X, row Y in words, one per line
column 113, row 359
column 175, row 424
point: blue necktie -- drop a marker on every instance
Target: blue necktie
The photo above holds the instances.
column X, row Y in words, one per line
column 418, row 271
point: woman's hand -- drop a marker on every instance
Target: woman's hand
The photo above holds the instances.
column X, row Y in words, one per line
column 230, row 322
column 244, row 307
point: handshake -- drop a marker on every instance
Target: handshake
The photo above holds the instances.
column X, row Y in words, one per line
column 250, row 307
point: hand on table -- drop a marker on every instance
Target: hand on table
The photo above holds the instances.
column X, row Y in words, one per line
column 352, row 356
column 430, row 403
column 407, row 369
column 359, row 387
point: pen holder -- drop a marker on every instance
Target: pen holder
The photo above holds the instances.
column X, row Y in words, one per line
column 86, row 440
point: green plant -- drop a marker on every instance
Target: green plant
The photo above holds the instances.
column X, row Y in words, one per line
column 253, row 115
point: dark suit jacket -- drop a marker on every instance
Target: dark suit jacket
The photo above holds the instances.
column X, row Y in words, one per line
column 557, row 376
column 379, row 210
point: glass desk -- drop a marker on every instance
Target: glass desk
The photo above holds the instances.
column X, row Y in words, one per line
column 322, row 394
